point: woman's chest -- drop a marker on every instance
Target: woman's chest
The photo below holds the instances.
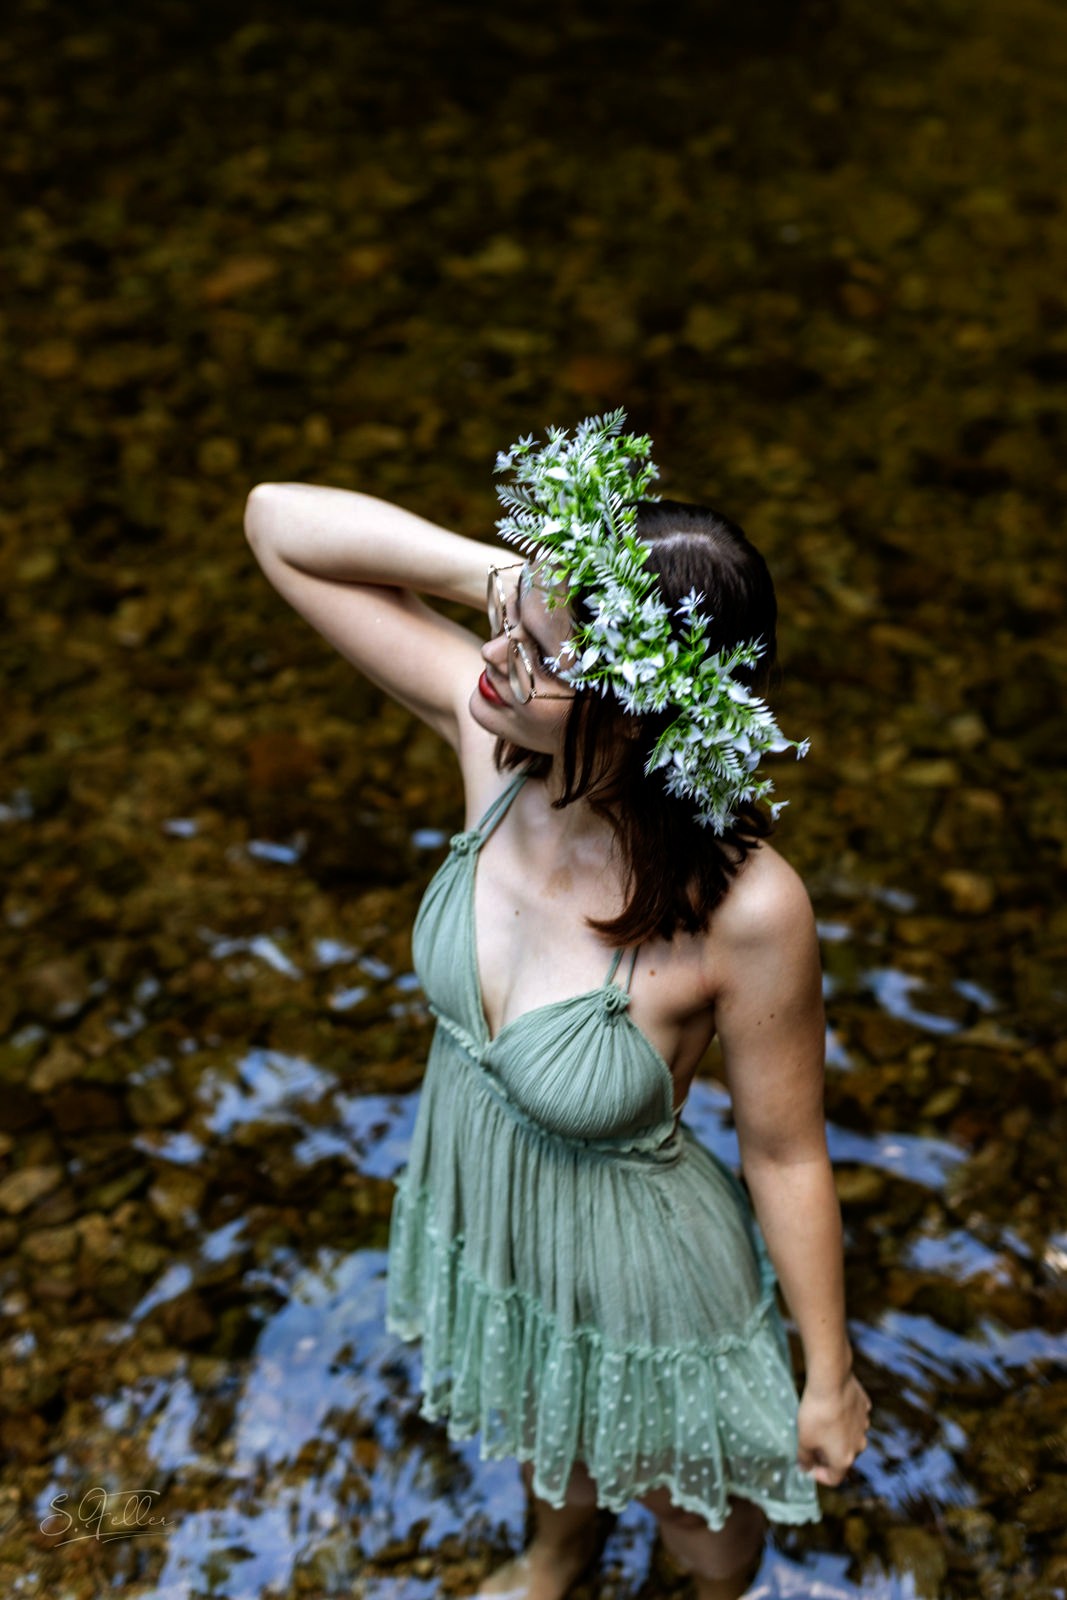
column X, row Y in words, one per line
column 534, row 947
column 533, row 941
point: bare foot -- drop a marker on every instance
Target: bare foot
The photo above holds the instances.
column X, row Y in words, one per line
column 542, row 1572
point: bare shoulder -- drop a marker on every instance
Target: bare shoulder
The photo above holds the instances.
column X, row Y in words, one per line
column 767, row 978
column 766, row 908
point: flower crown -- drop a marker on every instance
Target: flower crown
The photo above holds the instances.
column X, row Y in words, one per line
column 568, row 508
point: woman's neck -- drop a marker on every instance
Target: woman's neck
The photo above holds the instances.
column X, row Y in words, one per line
column 577, row 825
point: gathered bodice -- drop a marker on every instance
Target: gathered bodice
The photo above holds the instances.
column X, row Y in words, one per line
column 579, row 1067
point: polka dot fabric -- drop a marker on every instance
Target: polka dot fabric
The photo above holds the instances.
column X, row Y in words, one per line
column 587, row 1279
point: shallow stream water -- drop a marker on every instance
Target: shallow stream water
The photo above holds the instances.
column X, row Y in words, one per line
column 817, row 251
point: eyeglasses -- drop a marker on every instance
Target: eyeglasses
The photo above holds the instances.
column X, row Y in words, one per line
column 520, row 667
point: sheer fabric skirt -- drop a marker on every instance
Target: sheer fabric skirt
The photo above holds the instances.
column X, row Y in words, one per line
column 575, row 1305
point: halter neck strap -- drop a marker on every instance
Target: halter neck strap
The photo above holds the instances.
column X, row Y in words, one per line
column 496, row 808
column 616, row 958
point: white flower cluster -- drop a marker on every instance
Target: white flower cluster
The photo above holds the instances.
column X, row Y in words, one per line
column 567, row 508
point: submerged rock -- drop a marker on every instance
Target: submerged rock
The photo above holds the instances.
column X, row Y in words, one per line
column 21, row 1189
column 921, row 1555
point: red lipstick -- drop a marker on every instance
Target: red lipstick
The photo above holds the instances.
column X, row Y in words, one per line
column 487, row 692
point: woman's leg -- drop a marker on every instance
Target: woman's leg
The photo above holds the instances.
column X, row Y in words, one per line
column 563, row 1543
column 721, row 1563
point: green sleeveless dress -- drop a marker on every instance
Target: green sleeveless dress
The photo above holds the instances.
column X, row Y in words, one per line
column 588, row 1280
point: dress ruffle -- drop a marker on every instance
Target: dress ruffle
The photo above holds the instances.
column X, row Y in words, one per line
column 704, row 1405
column 704, row 1422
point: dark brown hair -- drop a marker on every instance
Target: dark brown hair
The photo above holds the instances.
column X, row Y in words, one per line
column 677, row 871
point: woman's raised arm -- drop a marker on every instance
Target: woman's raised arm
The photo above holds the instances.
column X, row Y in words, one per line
column 351, row 564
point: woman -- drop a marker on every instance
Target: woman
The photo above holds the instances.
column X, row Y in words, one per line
column 592, row 1291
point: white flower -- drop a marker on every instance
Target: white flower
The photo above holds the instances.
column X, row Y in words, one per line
column 570, row 508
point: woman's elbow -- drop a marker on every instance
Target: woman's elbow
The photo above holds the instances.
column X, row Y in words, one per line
column 257, row 511
column 784, row 1151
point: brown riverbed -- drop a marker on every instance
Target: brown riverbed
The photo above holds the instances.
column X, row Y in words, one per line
column 817, row 250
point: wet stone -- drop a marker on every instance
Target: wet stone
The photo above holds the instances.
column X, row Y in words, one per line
column 57, row 990
column 25, row 1437
column 145, row 1258
column 970, row 892
column 1055, row 1574
column 1045, row 1509
column 187, row 1319
column 85, row 1107
column 57, row 1066
column 106, row 1196
column 51, row 1244
column 396, row 1551
column 922, row 1555
column 944, row 1101
column 883, row 1038
column 1005, row 1460
column 55, row 1283
column 98, row 1240
column 859, row 1185
column 58, row 1207
column 176, row 1197
column 1012, row 1544
column 936, row 933
column 976, row 1530
column 938, row 773
column 19, row 1190
column 856, row 1535
column 154, row 1102
column 16, row 1064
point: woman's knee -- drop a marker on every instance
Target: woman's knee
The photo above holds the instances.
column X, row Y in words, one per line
column 663, row 1508
column 581, row 1486
column 743, row 1516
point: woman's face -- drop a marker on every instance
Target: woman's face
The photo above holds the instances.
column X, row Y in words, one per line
column 542, row 630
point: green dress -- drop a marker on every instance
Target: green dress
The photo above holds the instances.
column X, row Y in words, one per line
column 588, row 1280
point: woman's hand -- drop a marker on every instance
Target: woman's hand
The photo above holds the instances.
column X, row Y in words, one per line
column 832, row 1428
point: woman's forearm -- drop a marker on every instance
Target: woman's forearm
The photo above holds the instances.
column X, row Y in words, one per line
column 799, row 1215
column 350, row 537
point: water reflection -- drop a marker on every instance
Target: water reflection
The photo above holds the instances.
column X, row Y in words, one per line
column 956, row 1255
column 330, row 1468
column 319, row 1426
column 271, row 850
column 269, row 1086
column 933, row 1358
column 260, row 945
column 893, row 991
